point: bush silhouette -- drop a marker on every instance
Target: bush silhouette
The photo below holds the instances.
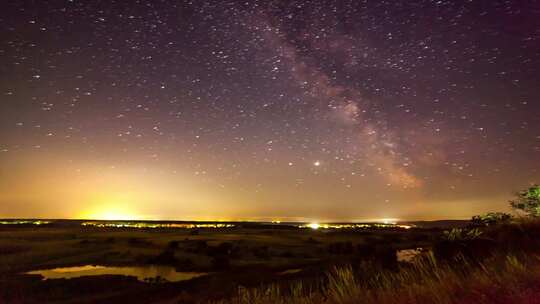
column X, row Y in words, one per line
column 528, row 201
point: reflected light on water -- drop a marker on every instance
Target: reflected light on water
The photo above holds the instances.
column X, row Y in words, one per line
column 408, row 255
column 142, row 273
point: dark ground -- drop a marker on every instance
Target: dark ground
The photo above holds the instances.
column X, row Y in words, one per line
column 247, row 255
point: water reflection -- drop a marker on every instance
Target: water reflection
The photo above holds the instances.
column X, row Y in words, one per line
column 408, row 255
column 290, row 271
column 151, row 273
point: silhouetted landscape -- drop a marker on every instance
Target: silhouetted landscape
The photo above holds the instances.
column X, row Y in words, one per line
column 490, row 259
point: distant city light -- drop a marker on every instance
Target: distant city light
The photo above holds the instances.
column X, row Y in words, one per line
column 355, row 226
column 214, row 224
column 119, row 224
column 314, row 226
column 24, row 222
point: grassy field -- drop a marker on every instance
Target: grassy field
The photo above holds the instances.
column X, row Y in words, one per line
column 276, row 264
column 497, row 264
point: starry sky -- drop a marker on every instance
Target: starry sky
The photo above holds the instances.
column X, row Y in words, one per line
column 320, row 110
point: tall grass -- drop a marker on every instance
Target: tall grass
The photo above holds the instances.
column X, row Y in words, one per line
column 500, row 279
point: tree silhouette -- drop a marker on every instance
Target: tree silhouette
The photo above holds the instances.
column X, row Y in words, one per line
column 528, row 201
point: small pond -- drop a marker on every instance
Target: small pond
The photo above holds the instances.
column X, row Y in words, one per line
column 408, row 255
column 150, row 273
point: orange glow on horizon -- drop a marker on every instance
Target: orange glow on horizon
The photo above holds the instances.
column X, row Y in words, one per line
column 110, row 214
column 112, row 207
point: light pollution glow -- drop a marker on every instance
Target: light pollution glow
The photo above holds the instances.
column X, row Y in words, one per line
column 59, row 189
column 200, row 225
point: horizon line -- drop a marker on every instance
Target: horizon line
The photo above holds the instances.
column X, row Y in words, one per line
column 274, row 221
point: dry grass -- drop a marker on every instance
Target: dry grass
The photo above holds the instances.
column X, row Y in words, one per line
column 500, row 279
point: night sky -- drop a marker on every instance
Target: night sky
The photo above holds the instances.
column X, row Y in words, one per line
column 251, row 110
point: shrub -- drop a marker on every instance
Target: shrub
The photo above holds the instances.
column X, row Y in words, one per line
column 261, row 252
column 528, row 201
column 491, row 218
column 173, row 244
column 166, row 257
column 223, row 249
column 221, row 262
column 458, row 234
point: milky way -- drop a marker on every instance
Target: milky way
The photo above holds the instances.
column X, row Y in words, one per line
column 328, row 110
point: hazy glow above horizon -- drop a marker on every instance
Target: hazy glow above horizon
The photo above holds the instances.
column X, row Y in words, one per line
column 112, row 211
